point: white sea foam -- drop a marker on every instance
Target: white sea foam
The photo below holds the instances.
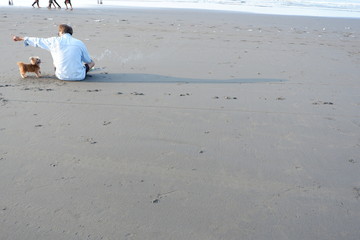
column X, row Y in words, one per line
column 328, row 8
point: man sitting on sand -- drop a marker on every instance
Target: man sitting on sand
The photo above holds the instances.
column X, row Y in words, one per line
column 71, row 58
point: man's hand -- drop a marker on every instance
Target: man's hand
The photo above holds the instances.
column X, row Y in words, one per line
column 17, row 38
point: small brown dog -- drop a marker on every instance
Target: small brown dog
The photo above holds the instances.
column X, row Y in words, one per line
column 34, row 66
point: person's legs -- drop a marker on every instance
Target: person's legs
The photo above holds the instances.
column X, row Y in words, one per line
column 89, row 66
column 56, row 4
column 68, row 2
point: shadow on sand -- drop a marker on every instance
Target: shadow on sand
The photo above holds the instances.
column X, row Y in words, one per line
column 153, row 78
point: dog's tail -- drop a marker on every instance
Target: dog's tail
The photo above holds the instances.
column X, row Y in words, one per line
column 19, row 63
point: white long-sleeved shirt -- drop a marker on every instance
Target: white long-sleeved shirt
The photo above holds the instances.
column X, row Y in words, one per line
column 69, row 55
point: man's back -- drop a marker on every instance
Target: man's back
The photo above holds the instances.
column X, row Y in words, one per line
column 69, row 54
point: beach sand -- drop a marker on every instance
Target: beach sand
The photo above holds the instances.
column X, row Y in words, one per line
column 193, row 125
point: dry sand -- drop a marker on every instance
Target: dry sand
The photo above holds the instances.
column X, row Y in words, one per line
column 193, row 125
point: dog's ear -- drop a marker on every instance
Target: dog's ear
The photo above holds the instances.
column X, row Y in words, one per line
column 32, row 60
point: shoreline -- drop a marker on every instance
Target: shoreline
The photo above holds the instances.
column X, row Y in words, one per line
column 321, row 13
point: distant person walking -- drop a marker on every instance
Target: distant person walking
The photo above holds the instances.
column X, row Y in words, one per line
column 52, row 2
column 36, row 2
column 11, row 2
column 99, row 1
column 66, row 4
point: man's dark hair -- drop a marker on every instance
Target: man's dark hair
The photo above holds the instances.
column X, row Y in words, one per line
column 63, row 28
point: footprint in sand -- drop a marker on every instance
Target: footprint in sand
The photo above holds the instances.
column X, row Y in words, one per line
column 322, row 103
column 137, row 94
column 95, row 90
column 105, row 123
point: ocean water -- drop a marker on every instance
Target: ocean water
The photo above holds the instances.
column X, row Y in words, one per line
column 324, row 8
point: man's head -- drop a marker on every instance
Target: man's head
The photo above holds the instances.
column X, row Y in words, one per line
column 63, row 28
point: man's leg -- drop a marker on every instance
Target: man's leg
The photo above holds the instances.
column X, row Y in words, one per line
column 87, row 68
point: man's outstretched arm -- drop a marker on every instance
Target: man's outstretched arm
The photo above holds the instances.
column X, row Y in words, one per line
column 43, row 43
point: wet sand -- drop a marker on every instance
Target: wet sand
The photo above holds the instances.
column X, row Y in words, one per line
column 193, row 125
